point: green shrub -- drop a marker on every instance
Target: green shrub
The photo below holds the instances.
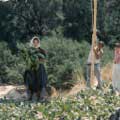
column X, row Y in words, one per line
column 107, row 56
column 11, row 67
column 65, row 61
column 65, row 65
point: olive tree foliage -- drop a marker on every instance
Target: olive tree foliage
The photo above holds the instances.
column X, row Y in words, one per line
column 78, row 18
column 113, row 20
column 30, row 17
column 22, row 19
column 25, row 18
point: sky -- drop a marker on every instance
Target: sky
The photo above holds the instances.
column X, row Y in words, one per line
column 3, row 0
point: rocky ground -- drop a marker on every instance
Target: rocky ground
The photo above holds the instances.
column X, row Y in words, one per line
column 13, row 92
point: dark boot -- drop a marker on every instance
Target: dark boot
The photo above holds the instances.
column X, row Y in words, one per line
column 29, row 95
column 44, row 93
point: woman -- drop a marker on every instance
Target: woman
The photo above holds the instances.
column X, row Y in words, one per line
column 97, row 53
column 37, row 70
column 116, row 69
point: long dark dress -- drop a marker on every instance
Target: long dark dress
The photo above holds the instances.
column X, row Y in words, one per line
column 37, row 78
column 40, row 76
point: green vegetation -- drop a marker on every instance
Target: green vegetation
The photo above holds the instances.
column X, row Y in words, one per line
column 65, row 30
column 89, row 104
column 65, row 64
column 65, row 61
column 11, row 66
column 64, row 27
column 22, row 19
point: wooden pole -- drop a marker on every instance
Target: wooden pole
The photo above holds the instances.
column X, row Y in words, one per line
column 94, row 37
column 92, row 13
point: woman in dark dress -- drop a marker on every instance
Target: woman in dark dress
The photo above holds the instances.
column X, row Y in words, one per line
column 37, row 72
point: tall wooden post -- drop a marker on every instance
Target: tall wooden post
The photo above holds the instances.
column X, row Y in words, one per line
column 94, row 37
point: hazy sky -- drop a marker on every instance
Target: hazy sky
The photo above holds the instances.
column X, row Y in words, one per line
column 3, row 0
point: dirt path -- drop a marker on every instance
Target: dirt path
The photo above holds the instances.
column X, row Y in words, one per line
column 19, row 92
column 4, row 90
column 13, row 92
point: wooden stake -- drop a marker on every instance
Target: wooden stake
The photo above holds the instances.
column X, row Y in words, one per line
column 94, row 37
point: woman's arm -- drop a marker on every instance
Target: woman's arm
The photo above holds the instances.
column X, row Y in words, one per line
column 115, row 56
column 98, row 52
column 43, row 51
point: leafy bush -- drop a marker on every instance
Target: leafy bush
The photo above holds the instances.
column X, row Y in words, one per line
column 11, row 68
column 65, row 64
column 107, row 56
column 65, row 61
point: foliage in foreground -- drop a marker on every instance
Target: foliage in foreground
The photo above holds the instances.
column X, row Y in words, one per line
column 90, row 104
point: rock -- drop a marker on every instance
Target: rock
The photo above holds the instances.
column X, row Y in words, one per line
column 15, row 94
column 115, row 116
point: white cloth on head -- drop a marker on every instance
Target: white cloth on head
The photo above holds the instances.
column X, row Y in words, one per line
column 31, row 41
column 116, row 77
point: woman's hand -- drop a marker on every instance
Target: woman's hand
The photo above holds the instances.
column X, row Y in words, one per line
column 114, row 61
column 42, row 60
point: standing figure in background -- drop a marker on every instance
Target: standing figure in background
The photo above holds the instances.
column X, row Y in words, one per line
column 98, row 52
column 116, row 69
column 35, row 76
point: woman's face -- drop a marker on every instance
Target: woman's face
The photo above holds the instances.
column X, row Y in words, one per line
column 100, row 45
column 36, row 43
column 117, row 48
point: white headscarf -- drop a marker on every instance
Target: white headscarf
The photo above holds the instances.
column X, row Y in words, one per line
column 31, row 41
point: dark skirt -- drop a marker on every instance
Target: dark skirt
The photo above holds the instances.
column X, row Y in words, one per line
column 35, row 80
